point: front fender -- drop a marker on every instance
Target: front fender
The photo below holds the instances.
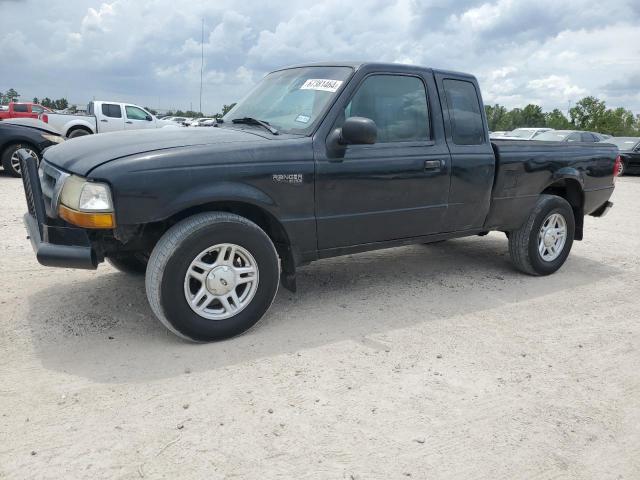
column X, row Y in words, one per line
column 220, row 192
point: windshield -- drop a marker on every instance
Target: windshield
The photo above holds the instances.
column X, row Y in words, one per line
column 623, row 143
column 292, row 100
column 521, row 133
column 552, row 136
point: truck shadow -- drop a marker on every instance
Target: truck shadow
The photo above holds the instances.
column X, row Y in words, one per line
column 104, row 329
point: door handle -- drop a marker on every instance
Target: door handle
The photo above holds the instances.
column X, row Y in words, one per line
column 103, row 120
column 128, row 121
column 432, row 164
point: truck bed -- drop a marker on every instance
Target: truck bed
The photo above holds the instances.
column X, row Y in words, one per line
column 544, row 164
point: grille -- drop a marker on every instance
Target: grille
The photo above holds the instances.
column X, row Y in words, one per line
column 51, row 180
column 31, row 183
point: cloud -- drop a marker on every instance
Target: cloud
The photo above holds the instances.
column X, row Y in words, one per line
column 149, row 52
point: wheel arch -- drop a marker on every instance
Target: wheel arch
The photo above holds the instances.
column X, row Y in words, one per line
column 262, row 217
column 570, row 187
column 73, row 128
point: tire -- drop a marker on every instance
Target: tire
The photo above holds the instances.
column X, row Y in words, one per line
column 622, row 169
column 189, row 243
column 10, row 158
column 78, row 132
column 131, row 263
column 524, row 243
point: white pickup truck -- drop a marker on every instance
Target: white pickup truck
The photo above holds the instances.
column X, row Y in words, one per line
column 103, row 117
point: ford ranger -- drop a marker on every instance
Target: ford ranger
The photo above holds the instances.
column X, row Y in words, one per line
column 317, row 161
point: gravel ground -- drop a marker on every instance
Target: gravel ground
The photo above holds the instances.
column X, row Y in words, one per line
column 416, row 362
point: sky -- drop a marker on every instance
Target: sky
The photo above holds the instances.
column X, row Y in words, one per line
column 548, row 52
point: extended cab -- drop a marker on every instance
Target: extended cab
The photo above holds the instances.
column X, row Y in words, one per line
column 22, row 110
column 103, row 117
column 317, row 161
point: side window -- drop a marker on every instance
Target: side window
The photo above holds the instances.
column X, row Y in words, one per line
column 111, row 110
column 36, row 109
column 135, row 113
column 574, row 137
column 588, row 137
column 396, row 103
column 464, row 112
column 20, row 107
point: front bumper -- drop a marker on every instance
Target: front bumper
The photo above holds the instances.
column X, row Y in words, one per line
column 54, row 245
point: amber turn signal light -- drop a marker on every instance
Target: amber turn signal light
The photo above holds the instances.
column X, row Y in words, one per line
column 87, row 219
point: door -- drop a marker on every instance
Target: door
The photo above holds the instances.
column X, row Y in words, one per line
column 472, row 157
column 110, row 118
column 21, row 110
column 137, row 118
column 396, row 188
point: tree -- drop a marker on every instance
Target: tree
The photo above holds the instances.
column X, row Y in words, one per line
column 588, row 114
column 556, row 120
column 532, row 116
column 496, row 116
column 60, row 104
column 11, row 95
column 35, row 100
column 226, row 108
column 618, row 122
column 151, row 110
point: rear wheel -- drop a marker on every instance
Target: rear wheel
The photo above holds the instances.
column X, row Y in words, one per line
column 542, row 244
column 78, row 132
column 212, row 276
column 11, row 160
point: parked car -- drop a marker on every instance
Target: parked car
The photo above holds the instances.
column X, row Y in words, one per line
column 31, row 135
column 197, row 122
column 209, row 122
column 568, row 136
column 499, row 133
column 317, row 161
column 22, row 110
column 178, row 120
column 629, row 148
column 103, row 117
column 525, row 133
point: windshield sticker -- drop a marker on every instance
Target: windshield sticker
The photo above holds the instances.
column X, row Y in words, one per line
column 321, row 84
column 303, row 118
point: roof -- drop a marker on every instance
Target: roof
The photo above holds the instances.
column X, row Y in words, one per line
column 356, row 65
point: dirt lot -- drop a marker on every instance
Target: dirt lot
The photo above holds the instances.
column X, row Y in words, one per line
column 423, row 362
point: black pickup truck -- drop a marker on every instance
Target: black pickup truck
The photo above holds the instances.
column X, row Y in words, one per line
column 317, row 161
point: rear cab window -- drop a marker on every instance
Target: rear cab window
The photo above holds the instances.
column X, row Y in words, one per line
column 20, row 107
column 111, row 110
column 467, row 127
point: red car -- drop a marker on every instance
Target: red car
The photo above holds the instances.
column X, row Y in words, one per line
column 23, row 110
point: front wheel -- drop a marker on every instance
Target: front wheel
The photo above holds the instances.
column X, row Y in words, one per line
column 11, row 160
column 542, row 244
column 133, row 263
column 212, row 276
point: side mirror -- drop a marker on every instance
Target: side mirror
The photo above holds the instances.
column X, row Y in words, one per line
column 149, row 118
column 358, row 131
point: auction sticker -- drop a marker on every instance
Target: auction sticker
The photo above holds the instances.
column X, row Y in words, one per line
column 321, row 84
column 303, row 118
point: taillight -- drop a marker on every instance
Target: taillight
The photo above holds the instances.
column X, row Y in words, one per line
column 45, row 118
column 617, row 167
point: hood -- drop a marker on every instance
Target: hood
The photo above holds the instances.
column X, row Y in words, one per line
column 82, row 154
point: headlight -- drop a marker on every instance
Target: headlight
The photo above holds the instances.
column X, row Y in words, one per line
column 86, row 204
column 53, row 138
column 79, row 194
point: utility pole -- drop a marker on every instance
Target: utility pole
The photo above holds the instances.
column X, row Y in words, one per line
column 201, row 62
